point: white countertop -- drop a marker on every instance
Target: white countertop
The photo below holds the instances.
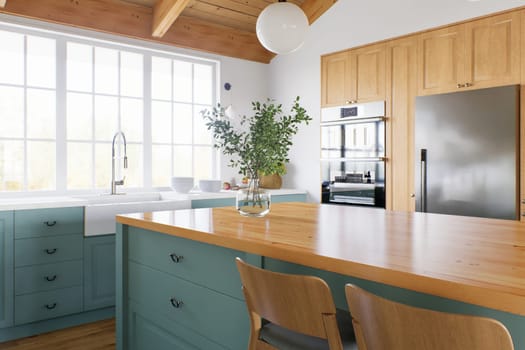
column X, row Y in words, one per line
column 42, row 202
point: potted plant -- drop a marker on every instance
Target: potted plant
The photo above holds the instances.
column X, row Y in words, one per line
column 258, row 147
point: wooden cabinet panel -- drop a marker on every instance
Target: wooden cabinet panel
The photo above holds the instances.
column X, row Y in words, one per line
column 353, row 76
column 492, row 49
column 49, row 222
column 477, row 54
column 401, row 82
column 45, row 305
column 216, row 316
column 441, row 60
column 40, row 278
column 99, row 272
column 335, row 82
column 6, row 269
column 368, row 73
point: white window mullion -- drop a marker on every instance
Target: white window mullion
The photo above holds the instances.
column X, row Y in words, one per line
column 61, row 117
column 147, row 122
column 26, row 162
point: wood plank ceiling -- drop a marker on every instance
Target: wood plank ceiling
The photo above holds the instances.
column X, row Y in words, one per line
column 224, row 27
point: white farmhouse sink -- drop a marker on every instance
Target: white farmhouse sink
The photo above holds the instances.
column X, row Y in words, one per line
column 99, row 213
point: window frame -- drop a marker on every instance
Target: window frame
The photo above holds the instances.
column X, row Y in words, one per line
column 148, row 51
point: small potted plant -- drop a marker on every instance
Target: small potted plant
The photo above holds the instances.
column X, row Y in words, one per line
column 258, row 147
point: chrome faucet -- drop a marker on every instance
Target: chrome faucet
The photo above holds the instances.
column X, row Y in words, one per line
column 114, row 182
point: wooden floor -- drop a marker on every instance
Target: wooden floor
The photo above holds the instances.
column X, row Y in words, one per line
column 91, row 336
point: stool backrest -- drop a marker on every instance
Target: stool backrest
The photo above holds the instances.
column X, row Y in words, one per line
column 381, row 324
column 300, row 303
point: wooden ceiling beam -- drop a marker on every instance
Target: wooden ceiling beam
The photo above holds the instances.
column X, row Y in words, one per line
column 135, row 21
column 315, row 8
column 165, row 13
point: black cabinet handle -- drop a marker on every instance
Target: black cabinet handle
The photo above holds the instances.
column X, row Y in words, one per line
column 51, row 279
column 51, row 307
column 51, row 251
column 176, row 303
column 176, row 258
column 50, row 223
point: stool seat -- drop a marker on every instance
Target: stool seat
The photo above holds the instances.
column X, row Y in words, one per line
column 286, row 339
column 292, row 312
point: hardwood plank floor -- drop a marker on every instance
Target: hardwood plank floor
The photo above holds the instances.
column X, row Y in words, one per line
column 92, row 336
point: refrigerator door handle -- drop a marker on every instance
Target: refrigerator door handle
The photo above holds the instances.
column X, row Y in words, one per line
column 423, row 180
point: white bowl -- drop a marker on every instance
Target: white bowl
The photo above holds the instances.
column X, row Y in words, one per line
column 182, row 184
column 210, row 185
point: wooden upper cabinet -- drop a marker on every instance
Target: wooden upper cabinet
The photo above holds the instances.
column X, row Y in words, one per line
column 335, row 82
column 368, row 73
column 441, row 60
column 353, row 76
column 492, row 49
column 477, row 54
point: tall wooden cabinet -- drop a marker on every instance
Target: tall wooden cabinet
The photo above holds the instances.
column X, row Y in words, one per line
column 353, row 76
column 401, row 83
column 473, row 55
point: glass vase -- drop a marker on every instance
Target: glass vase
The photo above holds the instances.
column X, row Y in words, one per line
column 253, row 200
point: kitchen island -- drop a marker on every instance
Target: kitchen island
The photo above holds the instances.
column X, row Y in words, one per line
column 178, row 285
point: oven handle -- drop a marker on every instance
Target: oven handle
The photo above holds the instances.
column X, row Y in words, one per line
column 423, row 180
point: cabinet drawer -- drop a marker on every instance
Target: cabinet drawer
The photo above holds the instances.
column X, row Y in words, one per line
column 150, row 330
column 32, row 251
column 39, row 278
column 48, row 222
column 201, row 263
column 218, row 317
column 45, row 305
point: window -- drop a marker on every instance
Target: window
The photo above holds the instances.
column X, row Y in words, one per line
column 63, row 98
column 104, row 94
column 181, row 143
column 27, row 112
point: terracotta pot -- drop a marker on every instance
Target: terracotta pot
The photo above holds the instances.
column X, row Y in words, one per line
column 273, row 181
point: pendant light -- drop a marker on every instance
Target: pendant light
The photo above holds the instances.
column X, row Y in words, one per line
column 281, row 27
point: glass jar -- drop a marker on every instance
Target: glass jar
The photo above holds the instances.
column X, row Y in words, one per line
column 253, row 200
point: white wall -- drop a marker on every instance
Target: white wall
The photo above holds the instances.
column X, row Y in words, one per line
column 249, row 81
column 346, row 24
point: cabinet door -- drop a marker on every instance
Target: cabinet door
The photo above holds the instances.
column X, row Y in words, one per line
column 492, row 48
column 99, row 272
column 401, row 63
column 335, row 79
column 368, row 73
column 6, row 269
column 441, row 60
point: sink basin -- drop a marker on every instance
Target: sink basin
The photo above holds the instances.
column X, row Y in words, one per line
column 107, row 198
column 99, row 213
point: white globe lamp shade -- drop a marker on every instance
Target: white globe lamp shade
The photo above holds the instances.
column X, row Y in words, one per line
column 281, row 27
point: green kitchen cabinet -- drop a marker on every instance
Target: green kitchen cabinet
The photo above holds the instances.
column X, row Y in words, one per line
column 6, row 269
column 179, row 293
column 99, row 272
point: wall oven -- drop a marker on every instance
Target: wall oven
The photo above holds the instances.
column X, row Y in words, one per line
column 353, row 154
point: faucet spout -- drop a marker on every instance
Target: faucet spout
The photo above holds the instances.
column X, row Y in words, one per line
column 114, row 182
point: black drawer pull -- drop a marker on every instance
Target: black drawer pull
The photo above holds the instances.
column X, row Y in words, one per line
column 50, row 223
column 51, row 307
column 51, row 279
column 176, row 258
column 176, row 303
column 51, row 251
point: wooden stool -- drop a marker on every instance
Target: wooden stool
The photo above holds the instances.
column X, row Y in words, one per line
column 381, row 324
column 293, row 312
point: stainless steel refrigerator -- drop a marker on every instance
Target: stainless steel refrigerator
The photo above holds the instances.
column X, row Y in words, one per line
column 467, row 158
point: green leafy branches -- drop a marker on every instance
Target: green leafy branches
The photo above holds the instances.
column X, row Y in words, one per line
column 261, row 145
